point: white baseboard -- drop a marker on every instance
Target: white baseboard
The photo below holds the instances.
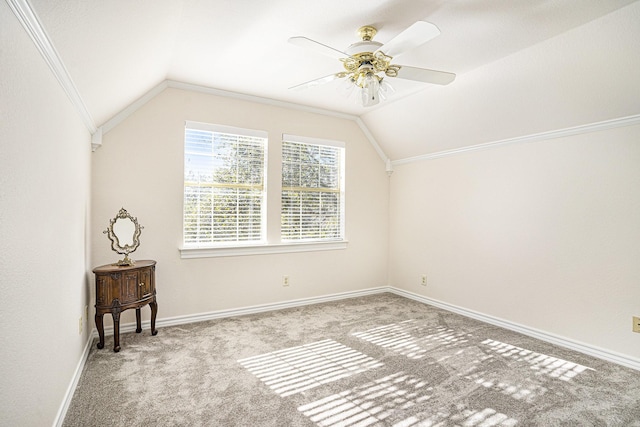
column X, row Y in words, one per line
column 219, row 314
column 192, row 318
column 62, row 411
column 590, row 350
column 600, row 353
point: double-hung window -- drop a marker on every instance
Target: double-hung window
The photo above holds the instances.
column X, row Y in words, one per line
column 224, row 185
column 312, row 189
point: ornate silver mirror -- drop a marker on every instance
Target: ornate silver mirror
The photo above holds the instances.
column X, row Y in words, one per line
column 124, row 233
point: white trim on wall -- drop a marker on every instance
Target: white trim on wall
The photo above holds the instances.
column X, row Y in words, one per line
column 606, row 355
column 273, row 248
column 257, row 99
column 30, row 22
column 242, row 311
column 587, row 349
column 559, row 133
column 374, row 143
column 133, row 107
column 66, row 401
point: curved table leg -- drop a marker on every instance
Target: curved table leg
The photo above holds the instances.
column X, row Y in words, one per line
column 138, row 323
column 154, row 311
column 116, row 329
column 100, row 328
column 116, row 309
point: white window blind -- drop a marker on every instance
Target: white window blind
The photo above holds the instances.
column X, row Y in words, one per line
column 224, row 191
column 312, row 189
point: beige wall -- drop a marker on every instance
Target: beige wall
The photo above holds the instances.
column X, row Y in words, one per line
column 585, row 75
column 44, row 202
column 139, row 167
column 543, row 234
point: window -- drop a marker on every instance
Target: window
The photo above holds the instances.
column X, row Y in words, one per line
column 225, row 193
column 312, row 189
column 224, row 185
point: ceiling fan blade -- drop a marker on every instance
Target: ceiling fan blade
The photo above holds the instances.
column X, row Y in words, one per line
column 425, row 75
column 318, row 47
column 417, row 34
column 315, row 82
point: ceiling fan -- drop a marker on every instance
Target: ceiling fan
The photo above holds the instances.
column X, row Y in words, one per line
column 367, row 62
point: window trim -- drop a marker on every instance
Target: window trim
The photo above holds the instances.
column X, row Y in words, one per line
column 233, row 130
column 211, row 127
column 310, row 140
column 342, row 185
column 267, row 248
column 226, row 249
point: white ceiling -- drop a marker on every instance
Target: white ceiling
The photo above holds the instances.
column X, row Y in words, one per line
column 115, row 51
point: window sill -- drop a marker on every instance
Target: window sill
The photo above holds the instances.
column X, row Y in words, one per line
column 278, row 248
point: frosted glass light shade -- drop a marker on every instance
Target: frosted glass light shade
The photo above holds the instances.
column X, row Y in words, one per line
column 370, row 92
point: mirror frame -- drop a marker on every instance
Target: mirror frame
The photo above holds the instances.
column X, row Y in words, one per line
column 115, row 241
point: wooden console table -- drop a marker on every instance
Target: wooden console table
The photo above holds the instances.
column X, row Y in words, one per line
column 120, row 288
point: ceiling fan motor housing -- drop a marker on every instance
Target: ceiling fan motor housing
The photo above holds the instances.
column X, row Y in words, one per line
column 369, row 46
column 365, row 57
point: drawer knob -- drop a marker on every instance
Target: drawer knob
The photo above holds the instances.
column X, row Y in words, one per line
column 141, row 284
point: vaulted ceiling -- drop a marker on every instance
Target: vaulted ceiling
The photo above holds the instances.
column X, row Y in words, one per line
column 116, row 51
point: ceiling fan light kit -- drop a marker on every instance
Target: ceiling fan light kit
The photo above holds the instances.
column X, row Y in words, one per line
column 366, row 64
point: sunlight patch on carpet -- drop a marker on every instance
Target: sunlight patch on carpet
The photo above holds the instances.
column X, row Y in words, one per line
column 369, row 403
column 409, row 339
column 543, row 364
column 301, row 368
column 487, row 417
column 526, row 392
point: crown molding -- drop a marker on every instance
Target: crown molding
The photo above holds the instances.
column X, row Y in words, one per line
column 96, row 139
column 133, row 107
column 137, row 104
column 30, row 22
column 257, row 99
column 28, row 19
column 542, row 136
column 155, row 91
column 374, row 143
column 283, row 104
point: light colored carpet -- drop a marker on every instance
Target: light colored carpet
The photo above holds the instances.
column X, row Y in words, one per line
column 380, row 360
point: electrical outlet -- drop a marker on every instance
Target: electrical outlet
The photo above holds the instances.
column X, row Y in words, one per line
column 423, row 280
column 636, row 324
column 80, row 325
column 285, row 280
